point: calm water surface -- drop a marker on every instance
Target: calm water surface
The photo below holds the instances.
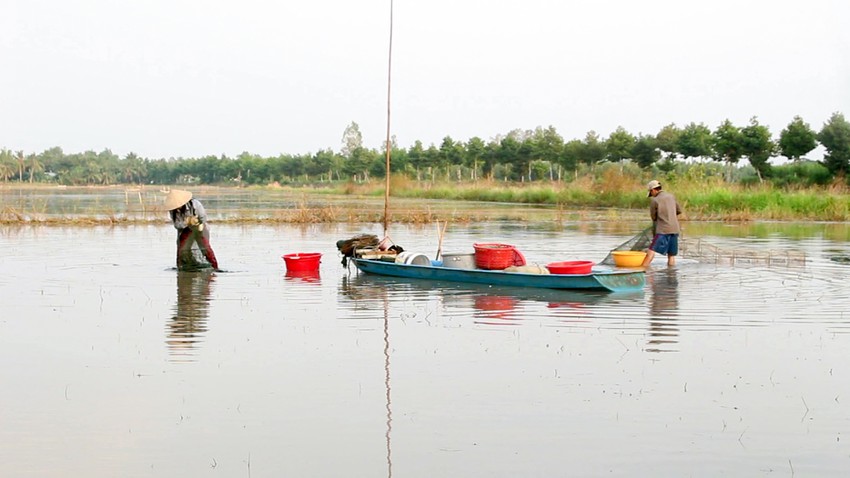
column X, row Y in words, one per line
column 114, row 364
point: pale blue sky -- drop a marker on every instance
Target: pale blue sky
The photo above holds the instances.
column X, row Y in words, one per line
column 169, row 78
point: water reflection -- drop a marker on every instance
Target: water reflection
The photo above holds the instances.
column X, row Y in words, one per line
column 495, row 309
column 309, row 277
column 357, row 290
column 663, row 309
column 189, row 322
column 489, row 305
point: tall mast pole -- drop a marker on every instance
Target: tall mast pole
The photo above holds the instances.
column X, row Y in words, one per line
column 389, row 145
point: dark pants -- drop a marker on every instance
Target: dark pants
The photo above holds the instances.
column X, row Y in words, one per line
column 188, row 236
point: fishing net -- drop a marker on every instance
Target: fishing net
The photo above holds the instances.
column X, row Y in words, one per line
column 705, row 252
column 193, row 260
column 190, row 256
column 640, row 242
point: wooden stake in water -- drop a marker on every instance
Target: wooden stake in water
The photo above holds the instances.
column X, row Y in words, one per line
column 389, row 145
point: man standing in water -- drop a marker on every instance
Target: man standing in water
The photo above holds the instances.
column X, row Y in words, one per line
column 664, row 211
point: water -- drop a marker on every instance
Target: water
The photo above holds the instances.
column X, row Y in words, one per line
column 114, row 364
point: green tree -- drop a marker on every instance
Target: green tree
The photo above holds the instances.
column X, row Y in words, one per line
column 797, row 139
column 835, row 137
column 619, row 145
column 547, row 143
column 525, row 158
column 645, row 152
column 399, row 161
column 107, row 166
column 491, row 158
column 509, row 147
column 51, row 159
column 474, row 155
column 324, row 162
column 517, row 149
column 758, row 146
column 132, row 168
column 695, row 141
column 540, row 169
column 7, row 164
column 727, row 143
column 572, row 154
column 593, row 151
column 359, row 163
column 431, row 158
column 418, row 159
column 19, row 156
column 667, row 141
column 451, row 154
column 35, row 166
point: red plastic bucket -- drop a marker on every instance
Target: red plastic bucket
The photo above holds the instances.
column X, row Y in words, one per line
column 302, row 261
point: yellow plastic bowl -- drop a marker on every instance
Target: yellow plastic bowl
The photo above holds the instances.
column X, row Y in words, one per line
column 628, row 258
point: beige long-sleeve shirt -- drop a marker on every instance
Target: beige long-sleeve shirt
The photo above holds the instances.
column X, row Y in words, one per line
column 664, row 211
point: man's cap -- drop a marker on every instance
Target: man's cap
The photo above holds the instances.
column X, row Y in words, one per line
column 654, row 184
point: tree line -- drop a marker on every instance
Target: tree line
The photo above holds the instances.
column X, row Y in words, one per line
column 520, row 155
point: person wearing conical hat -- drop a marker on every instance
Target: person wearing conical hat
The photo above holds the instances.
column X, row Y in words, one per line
column 190, row 219
column 664, row 211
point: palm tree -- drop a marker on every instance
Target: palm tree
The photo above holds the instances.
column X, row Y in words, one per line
column 35, row 166
column 20, row 159
column 7, row 162
column 6, row 171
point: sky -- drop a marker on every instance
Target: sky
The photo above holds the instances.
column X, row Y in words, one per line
column 189, row 78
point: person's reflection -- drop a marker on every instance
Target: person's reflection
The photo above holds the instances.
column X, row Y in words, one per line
column 189, row 323
column 663, row 309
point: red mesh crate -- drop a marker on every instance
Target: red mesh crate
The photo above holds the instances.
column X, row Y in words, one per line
column 497, row 256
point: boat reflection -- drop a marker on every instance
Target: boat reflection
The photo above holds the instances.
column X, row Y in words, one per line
column 489, row 305
column 663, row 310
column 189, row 322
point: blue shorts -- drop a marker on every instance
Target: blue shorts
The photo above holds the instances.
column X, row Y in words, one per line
column 667, row 244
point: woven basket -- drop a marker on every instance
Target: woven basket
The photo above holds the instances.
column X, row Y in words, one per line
column 497, row 256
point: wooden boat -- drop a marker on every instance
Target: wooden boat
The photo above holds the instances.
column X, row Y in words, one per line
column 600, row 277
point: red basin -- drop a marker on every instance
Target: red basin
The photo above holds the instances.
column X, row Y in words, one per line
column 302, row 261
column 570, row 267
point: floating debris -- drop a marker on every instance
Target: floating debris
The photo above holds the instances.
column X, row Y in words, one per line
column 840, row 259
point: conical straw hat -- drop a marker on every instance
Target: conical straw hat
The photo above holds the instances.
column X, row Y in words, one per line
column 177, row 198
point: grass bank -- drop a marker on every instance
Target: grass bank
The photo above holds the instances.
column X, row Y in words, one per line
column 605, row 195
column 701, row 199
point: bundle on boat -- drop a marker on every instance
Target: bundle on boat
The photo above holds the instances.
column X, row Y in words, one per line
column 348, row 246
column 367, row 246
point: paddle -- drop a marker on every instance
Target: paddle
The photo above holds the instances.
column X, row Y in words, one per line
column 440, row 241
